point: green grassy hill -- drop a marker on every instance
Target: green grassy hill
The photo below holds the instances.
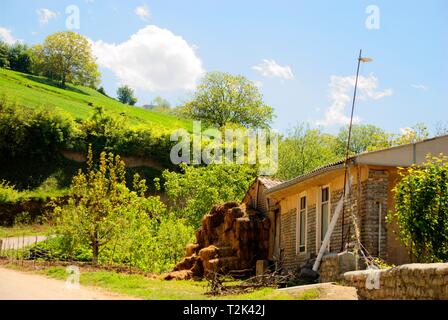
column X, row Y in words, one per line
column 40, row 92
column 41, row 178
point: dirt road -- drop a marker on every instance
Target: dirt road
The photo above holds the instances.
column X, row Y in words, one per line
column 16, row 285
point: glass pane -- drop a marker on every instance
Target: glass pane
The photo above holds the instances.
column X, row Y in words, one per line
column 302, row 203
column 324, row 194
column 302, row 228
column 324, row 220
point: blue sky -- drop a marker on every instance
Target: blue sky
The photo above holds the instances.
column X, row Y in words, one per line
column 302, row 54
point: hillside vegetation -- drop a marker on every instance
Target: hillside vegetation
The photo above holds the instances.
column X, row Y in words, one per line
column 76, row 101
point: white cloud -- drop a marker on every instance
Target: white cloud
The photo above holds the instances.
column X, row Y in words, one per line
column 143, row 12
column 420, row 87
column 7, row 37
column 151, row 59
column 270, row 68
column 45, row 15
column 341, row 95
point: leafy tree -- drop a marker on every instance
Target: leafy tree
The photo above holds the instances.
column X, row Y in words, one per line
column 102, row 91
column 223, row 98
column 159, row 104
column 19, row 58
column 364, row 138
column 196, row 189
column 302, row 150
column 67, row 57
column 413, row 134
column 4, row 50
column 126, row 95
column 421, row 202
column 100, row 207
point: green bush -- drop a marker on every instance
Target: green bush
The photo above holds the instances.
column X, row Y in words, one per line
column 195, row 190
column 27, row 133
column 421, row 199
column 8, row 194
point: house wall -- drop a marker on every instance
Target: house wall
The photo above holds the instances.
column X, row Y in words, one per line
column 370, row 191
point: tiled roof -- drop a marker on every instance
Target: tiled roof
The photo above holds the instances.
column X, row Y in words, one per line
column 315, row 172
column 269, row 182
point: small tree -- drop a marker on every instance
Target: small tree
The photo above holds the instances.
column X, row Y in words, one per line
column 222, row 98
column 66, row 57
column 125, row 95
column 101, row 208
column 421, row 199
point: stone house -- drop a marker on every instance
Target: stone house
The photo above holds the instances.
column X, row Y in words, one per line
column 301, row 209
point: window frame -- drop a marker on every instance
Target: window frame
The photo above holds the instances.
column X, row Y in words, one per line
column 299, row 222
column 319, row 216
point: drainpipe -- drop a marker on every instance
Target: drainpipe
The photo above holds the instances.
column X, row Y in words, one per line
column 330, row 230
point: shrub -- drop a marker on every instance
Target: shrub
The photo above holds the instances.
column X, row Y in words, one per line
column 422, row 209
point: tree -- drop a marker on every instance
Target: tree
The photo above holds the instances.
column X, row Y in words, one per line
column 302, row 150
column 363, row 138
column 101, row 209
column 159, row 104
column 4, row 50
column 195, row 190
column 67, row 57
column 223, row 98
column 19, row 58
column 102, row 91
column 416, row 133
column 421, row 209
column 126, row 95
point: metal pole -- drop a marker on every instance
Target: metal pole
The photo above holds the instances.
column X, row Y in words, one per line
column 347, row 153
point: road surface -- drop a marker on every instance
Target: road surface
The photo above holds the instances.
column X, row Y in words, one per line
column 16, row 285
column 20, row 242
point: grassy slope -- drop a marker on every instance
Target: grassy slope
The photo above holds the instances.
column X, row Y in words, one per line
column 39, row 92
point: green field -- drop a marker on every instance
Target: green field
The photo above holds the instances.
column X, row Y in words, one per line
column 76, row 101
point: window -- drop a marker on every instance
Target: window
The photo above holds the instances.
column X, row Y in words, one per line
column 301, row 225
column 324, row 212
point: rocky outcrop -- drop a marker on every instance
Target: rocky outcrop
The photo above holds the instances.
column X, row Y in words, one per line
column 230, row 241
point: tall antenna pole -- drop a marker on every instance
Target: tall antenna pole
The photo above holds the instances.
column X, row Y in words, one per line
column 347, row 151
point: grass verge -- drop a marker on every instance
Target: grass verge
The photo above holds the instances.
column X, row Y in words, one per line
column 152, row 288
column 25, row 229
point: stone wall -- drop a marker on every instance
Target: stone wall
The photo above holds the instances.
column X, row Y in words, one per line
column 288, row 239
column 362, row 202
column 374, row 193
column 408, row 281
column 334, row 265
